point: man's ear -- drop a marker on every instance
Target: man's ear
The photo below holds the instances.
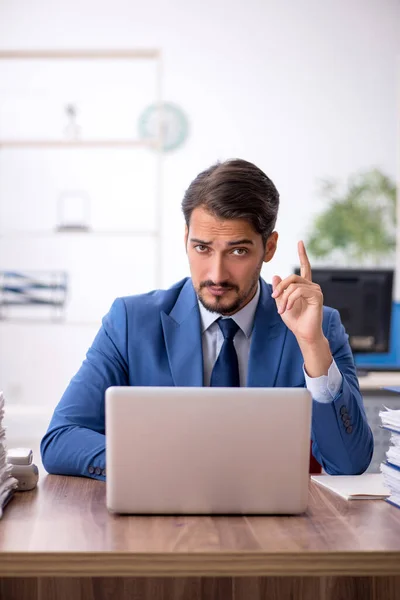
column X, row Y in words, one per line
column 186, row 236
column 271, row 245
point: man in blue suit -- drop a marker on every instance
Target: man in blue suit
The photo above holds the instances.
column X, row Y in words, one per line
column 224, row 326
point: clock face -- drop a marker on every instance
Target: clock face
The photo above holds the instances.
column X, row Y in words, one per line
column 174, row 125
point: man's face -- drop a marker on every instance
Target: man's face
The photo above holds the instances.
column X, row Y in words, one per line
column 225, row 259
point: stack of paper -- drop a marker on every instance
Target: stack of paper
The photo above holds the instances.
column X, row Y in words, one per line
column 8, row 484
column 391, row 468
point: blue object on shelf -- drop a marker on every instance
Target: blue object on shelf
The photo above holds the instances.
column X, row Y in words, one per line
column 20, row 289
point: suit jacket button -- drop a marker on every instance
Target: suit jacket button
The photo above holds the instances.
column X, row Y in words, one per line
column 343, row 409
column 345, row 417
column 349, row 429
column 347, row 423
column 103, row 472
column 91, row 470
column 97, row 471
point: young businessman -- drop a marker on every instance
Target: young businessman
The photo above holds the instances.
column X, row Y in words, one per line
column 224, row 326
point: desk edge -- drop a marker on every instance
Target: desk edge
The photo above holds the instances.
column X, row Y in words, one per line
column 119, row 564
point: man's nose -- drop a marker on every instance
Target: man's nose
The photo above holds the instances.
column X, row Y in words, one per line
column 218, row 272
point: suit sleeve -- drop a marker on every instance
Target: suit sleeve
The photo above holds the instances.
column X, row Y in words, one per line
column 75, row 440
column 342, row 439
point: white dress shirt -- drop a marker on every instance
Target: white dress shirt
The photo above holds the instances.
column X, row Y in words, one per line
column 323, row 389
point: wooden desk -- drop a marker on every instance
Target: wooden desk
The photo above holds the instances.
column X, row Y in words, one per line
column 60, row 542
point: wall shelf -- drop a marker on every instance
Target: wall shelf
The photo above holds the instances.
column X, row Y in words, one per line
column 43, row 322
column 77, row 142
column 100, row 143
column 98, row 233
column 81, row 54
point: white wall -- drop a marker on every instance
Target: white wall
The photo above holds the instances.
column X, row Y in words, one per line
column 305, row 89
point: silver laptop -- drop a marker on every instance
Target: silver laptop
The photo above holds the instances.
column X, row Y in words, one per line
column 188, row 450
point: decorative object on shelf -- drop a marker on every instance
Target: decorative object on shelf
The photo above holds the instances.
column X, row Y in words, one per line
column 168, row 119
column 358, row 226
column 32, row 290
column 73, row 212
column 72, row 130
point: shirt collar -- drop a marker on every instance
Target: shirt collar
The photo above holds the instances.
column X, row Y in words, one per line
column 244, row 317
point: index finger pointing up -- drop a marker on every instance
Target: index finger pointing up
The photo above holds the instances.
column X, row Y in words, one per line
column 305, row 267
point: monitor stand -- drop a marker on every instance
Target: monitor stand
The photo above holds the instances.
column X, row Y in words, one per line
column 362, row 372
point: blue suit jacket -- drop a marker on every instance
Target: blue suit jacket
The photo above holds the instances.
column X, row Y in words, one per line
column 155, row 339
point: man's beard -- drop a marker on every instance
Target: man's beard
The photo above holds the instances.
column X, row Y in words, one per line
column 242, row 297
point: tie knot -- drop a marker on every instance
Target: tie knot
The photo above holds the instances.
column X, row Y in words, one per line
column 228, row 327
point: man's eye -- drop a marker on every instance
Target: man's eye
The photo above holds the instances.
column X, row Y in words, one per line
column 239, row 251
column 201, row 249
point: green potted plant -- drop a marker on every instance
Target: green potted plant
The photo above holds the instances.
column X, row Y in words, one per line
column 358, row 227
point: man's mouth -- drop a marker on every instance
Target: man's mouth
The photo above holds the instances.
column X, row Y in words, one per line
column 218, row 291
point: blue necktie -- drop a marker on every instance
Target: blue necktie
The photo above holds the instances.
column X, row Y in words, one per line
column 226, row 369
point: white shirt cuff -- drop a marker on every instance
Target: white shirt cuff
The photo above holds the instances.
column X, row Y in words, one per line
column 326, row 387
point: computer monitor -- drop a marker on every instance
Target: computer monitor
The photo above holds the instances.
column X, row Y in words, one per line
column 363, row 298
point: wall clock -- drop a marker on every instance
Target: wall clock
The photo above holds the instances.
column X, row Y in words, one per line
column 174, row 125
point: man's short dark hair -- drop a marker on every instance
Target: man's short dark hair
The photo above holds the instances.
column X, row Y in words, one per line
column 235, row 189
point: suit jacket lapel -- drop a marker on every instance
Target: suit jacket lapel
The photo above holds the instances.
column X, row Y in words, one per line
column 182, row 333
column 269, row 334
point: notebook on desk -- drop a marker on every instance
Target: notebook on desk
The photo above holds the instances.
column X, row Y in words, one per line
column 209, row 450
column 369, row 486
